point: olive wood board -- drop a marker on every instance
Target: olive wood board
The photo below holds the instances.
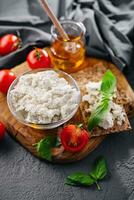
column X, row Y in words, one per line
column 28, row 136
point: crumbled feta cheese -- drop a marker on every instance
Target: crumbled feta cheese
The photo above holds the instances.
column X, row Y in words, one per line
column 44, row 97
column 93, row 96
column 107, row 122
column 93, row 85
column 118, row 113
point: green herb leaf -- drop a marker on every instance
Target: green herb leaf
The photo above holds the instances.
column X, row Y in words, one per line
column 98, row 114
column 69, row 182
column 80, row 178
column 99, row 169
column 108, row 83
column 98, row 173
column 44, row 147
column 107, row 89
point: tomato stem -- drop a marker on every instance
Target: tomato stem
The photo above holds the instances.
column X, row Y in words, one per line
column 37, row 53
column 19, row 43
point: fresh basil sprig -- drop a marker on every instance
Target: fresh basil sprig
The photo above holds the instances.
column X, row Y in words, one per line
column 44, row 146
column 98, row 172
column 99, row 114
column 107, row 90
column 108, row 83
column 80, row 178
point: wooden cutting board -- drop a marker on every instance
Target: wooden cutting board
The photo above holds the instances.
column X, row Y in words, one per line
column 27, row 136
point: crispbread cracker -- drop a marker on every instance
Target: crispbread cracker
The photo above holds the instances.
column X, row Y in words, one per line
column 96, row 75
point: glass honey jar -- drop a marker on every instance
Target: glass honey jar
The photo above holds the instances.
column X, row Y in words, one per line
column 68, row 55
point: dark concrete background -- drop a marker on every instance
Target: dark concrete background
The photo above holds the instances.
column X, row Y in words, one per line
column 24, row 177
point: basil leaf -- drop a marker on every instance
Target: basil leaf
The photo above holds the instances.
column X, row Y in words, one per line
column 107, row 89
column 99, row 172
column 80, row 178
column 108, row 83
column 69, row 182
column 98, row 114
column 44, row 147
column 99, row 169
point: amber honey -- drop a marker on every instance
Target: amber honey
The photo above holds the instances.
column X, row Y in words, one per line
column 68, row 55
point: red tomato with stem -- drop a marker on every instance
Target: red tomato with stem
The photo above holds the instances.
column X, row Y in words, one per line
column 2, row 130
column 9, row 43
column 74, row 138
column 38, row 58
column 6, row 78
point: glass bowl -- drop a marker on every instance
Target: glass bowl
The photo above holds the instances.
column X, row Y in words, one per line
column 51, row 125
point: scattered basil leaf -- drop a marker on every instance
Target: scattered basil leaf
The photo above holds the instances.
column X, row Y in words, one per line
column 80, row 178
column 69, row 182
column 44, row 147
column 99, row 169
column 98, row 172
column 107, row 89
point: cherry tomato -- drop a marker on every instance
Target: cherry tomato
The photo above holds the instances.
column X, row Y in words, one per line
column 74, row 138
column 8, row 44
column 38, row 58
column 2, row 130
column 6, row 78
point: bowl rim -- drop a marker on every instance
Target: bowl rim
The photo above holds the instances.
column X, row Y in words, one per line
column 44, row 125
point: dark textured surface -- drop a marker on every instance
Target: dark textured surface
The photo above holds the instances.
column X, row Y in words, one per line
column 24, row 177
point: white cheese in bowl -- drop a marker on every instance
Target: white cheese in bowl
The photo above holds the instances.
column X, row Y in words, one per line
column 44, row 97
column 93, row 96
